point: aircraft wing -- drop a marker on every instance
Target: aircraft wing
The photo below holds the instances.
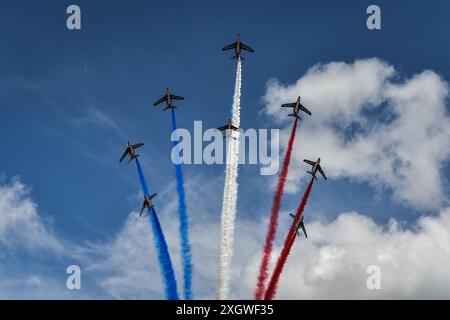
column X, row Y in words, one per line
column 305, row 110
column 234, row 128
column 138, row 145
column 142, row 209
column 152, row 196
column 160, row 101
column 124, row 155
column 174, row 97
column 293, row 216
column 321, row 172
column 230, row 46
column 302, row 225
column 222, row 128
column 247, row 48
column 309, row 162
column 288, row 105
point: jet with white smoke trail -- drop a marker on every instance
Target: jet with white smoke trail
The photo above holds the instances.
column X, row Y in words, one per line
column 230, row 195
column 238, row 46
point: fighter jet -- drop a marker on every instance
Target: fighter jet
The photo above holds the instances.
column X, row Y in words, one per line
column 315, row 167
column 229, row 126
column 131, row 151
column 168, row 98
column 297, row 107
column 238, row 46
column 299, row 224
column 147, row 203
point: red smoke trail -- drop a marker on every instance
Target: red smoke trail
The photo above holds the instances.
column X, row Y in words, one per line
column 273, row 284
column 273, row 224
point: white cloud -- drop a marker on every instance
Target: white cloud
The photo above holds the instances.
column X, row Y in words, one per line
column 127, row 265
column 20, row 224
column 370, row 125
column 34, row 281
column 330, row 264
column 30, row 252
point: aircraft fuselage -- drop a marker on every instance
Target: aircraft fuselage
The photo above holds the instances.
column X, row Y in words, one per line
column 238, row 44
column 315, row 168
column 147, row 203
column 297, row 106
column 169, row 99
column 131, row 149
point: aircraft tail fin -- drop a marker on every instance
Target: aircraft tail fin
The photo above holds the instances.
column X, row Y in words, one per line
column 294, row 115
column 310, row 172
column 237, row 57
column 132, row 158
column 169, row 107
column 145, row 214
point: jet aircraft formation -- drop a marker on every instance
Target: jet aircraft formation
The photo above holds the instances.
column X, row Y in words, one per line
column 168, row 98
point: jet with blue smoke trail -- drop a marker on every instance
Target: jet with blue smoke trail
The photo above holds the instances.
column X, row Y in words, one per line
column 184, row 225
column 161, row 245
column 147, row 203
column 162, row 249
column 182, row 208
column 130, row 150
column 168, row 99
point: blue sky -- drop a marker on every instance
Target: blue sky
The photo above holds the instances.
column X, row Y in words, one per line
column 69, row 100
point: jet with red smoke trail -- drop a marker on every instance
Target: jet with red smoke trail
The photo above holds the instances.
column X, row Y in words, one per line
column 315, row 167
column 273, row 222
column 130, row 150
column 299, row 224
column 238, row 46
column 147, row 203
column 296, row 108
column 288, row 243
column 299, row 221
column 168, row 99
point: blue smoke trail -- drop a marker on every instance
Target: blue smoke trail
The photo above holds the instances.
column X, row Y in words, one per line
column 161, row 245
column 184, row 225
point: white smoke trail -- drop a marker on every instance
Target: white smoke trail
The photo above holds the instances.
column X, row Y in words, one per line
column 230, row 194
